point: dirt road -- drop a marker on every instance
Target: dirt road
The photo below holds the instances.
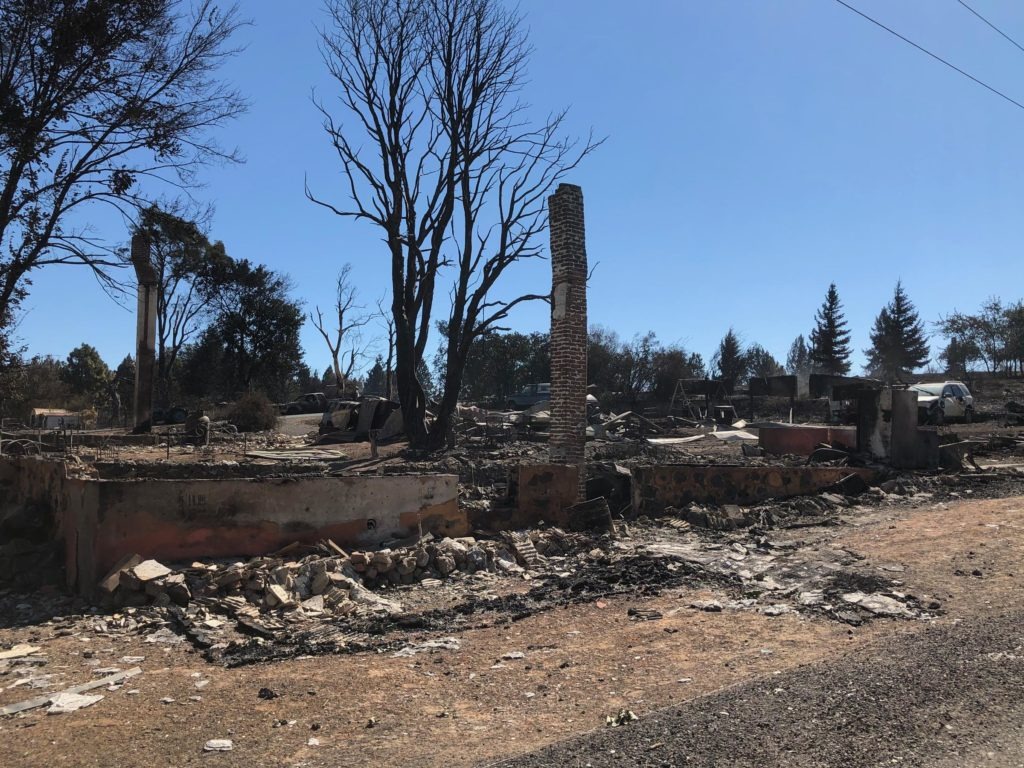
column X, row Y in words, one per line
column 883, row 691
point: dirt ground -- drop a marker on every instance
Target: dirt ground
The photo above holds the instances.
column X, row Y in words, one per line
column 471, row 706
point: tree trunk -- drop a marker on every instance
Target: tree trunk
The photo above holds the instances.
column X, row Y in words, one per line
column 410, row 393
column 457, row 356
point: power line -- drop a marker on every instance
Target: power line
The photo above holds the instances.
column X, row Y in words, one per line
column 997, row 29
column 986, row 86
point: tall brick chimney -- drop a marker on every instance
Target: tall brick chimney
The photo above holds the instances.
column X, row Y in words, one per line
column 568, row 431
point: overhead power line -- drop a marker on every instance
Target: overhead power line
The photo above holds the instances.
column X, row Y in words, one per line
column 997, row 29
column 969, row 76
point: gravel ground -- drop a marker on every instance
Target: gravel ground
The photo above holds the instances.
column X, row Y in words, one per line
column 946, row 696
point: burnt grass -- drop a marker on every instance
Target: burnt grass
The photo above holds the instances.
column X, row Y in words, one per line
column 636, row 575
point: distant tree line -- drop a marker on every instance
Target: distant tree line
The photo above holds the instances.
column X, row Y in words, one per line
column 993, row 338
column 225, row 327
column 500, row 364
column 82, row 382
column 898, row 340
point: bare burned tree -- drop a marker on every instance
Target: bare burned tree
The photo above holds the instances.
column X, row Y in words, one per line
column 389, row 363
column 439, row 154
column 97, row 96
column 343, row 339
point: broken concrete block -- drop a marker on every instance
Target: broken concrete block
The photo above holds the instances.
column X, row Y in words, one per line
column 177, row 589
column 320, row 582
column 278, row 597
column 382, row 561
column 229, row 578
column 112, row 580
column 445, row 564
column 315, row 603
column 148, row 570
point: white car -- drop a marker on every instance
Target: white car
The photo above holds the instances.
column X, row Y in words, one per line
column 941, row 401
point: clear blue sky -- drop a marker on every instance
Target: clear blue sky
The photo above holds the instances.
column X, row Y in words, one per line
column 757, row 150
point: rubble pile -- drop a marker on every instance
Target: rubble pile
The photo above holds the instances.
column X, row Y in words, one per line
column 329, row 581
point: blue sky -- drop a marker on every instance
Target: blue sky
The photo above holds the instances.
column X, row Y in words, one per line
column 757, row 150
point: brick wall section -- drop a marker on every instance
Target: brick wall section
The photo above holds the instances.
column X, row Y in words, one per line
column 567, row 437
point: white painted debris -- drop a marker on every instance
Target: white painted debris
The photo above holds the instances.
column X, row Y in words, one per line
column 513, row 655
column 62, row 703
column 166, row 636
column 20, row 651
column 42, row 701
column 730, row 436
column 218, row 745
column 880, row 605
column 676, row 440
column 430, row 646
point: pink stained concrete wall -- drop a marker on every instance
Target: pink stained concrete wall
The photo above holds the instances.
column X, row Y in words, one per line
column 802, row 440
column 101, row 521
column 658, row 487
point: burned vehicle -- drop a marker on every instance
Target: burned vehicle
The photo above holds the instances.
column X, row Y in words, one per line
column 943, row 401
column 353, row 420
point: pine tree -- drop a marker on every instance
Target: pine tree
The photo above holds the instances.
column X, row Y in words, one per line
column 761, row 363
column 799, row 358
column 376, row 379
column 730, row 361
column 898, row 343
column 830, row 339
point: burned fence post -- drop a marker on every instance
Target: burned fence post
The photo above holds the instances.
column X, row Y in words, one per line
column 567, row 440
column 145, row 332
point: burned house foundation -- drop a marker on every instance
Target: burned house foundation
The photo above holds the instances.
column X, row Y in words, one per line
column 103, row 519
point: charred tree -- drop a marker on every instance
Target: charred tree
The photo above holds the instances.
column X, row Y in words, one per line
column 342, row 337
column 439, row 154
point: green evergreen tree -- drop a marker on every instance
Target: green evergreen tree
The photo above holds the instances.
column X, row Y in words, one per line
column 799, row 358
column 761, row 363
column 124, row 384
column 376, row 379
column 85, row 373
column 830, row 339
column 898, row 343
column 730, row 362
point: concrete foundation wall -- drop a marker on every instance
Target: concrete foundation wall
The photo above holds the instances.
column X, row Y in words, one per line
column 802, row 440
column 676, row 485
column 103, row 520
column 544, row 492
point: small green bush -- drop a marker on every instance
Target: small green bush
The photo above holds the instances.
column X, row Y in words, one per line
column 253, row 413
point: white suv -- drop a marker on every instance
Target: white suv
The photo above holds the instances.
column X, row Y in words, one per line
column 942, row 401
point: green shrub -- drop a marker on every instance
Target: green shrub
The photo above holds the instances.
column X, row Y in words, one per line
column 253, row 413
